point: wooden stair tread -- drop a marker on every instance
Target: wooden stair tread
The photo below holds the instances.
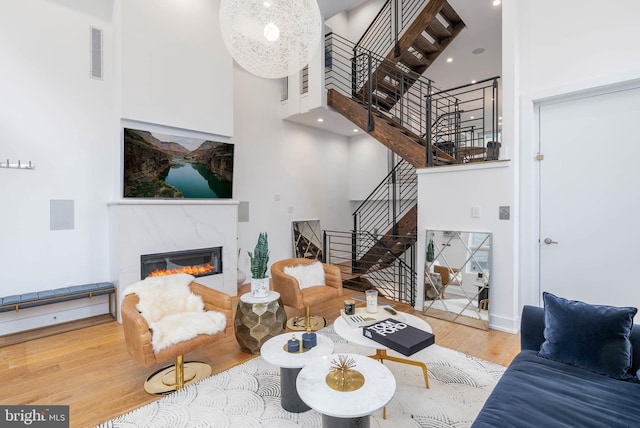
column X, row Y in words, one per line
column 438, row 31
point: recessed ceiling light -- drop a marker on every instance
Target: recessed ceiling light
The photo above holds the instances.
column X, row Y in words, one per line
column 499, row 117
column 355, row 129
column 267, row 4
column 497, row 2
column 472, row 117
column 473, row 81
column 449, row 59
column 320, row 119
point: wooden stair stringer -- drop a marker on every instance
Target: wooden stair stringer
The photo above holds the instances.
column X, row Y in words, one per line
column 391, row 136
column 413, row 38
column 387, row 130
column 407, row 229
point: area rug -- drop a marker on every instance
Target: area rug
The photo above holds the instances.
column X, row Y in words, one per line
column 248, row 395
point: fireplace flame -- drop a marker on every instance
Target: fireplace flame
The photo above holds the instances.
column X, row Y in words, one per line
column 191, row 270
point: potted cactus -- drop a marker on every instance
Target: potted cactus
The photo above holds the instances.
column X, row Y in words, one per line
column 259, row 259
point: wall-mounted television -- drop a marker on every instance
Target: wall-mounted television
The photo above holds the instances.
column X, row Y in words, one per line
column 168, row 166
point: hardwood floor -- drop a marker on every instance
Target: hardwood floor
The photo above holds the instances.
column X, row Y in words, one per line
column 89, row 368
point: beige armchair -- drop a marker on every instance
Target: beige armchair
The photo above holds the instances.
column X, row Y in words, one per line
column 293, row 296
column 138, row 340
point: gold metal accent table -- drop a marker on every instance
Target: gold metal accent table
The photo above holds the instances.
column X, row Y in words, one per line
column 258, row 319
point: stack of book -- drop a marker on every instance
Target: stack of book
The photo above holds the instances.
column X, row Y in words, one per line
column 362, row 318
column 398, row 336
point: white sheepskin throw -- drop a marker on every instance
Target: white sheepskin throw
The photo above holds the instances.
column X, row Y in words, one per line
column 173, row 312
column 307, row 276
column 176, row 328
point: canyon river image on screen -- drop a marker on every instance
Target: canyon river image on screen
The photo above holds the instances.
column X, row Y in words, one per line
column 167, row 166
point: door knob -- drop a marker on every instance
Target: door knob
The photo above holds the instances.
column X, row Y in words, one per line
column 549, row 241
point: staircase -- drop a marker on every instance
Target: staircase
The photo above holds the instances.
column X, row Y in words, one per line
column 388, row 130
column 378, row 84
column 422, row 42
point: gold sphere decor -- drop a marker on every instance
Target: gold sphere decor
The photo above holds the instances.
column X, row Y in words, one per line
column 271, row 38
column 342, row 376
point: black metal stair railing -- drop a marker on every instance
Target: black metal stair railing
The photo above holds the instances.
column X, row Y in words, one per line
column 392, row 20
column 399, row 95
column 462, row 121
column 393, row 274
column 389, row 201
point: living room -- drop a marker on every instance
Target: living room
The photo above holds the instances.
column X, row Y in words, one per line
column 70, row 127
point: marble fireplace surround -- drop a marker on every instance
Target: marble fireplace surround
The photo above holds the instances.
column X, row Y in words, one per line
column 146, row 226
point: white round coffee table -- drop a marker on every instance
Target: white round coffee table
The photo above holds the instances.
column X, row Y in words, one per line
column 346, row 409
column 355, row 336
column 291, row 363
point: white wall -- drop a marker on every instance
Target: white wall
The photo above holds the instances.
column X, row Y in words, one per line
column 368, row 165
column 62, row 120
column 306, row 169
column 56, row 116
column 354, row 23
column 175, row 67
column 445, row 200
column 588, row 48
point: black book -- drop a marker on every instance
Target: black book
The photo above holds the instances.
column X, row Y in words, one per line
column 399, row 336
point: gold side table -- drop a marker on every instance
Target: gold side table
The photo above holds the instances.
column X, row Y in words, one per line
column 258, row 319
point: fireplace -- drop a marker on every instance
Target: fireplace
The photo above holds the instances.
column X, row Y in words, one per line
column 198, row 262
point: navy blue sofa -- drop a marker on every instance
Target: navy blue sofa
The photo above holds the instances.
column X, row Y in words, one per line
column 539, row 392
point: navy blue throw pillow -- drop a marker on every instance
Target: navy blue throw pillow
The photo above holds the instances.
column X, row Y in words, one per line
column 594, row 337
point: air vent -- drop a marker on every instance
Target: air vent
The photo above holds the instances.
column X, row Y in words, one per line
column 96, row 53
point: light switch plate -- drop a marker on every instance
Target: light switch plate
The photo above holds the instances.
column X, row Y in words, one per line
column 504, row 213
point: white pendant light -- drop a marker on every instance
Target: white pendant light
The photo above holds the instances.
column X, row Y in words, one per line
column 272, row 38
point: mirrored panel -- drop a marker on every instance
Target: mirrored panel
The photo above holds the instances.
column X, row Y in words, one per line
column 457, row 276
column 307, row 239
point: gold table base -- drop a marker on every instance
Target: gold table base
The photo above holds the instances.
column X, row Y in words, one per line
column 164, row 380
column 381, row 355
column 300, row 323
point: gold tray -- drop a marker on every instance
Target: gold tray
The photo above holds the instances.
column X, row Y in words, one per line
column 302, row 349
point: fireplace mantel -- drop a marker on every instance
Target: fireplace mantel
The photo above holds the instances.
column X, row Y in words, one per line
column 147, row 226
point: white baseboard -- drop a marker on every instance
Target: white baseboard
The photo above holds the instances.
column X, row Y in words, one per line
column 508, row 325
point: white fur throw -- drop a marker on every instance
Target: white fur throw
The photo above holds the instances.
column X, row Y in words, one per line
column 173, row 312
column 307, row 276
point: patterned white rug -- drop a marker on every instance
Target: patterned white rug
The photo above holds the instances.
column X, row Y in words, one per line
column 248, row 395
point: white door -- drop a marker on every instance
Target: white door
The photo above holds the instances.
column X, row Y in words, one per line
column 590, row 197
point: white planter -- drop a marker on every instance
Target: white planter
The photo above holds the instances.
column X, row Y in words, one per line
column 260, row 287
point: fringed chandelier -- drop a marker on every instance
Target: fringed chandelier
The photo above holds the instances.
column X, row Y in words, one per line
column 271, row 38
